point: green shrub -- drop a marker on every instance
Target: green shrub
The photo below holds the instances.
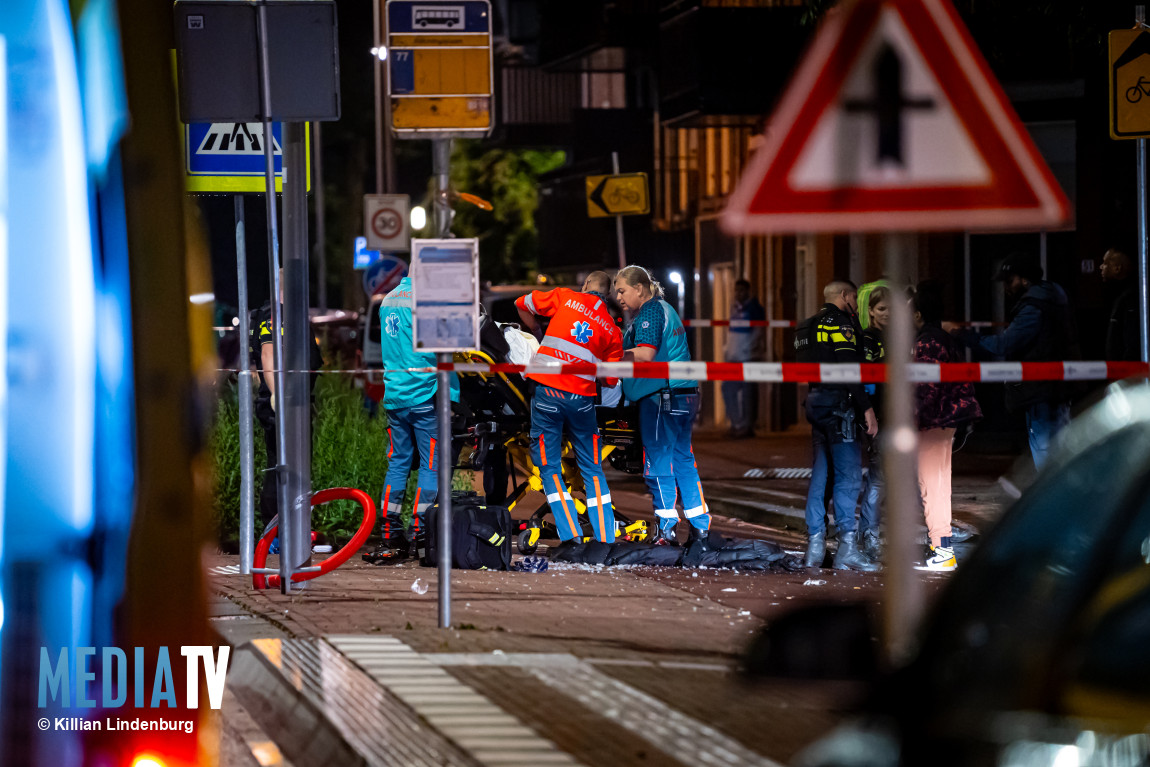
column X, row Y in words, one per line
column 224, row 457
column 349, row 449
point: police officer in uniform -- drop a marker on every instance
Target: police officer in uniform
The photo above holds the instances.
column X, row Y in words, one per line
column 835, row 411
column 263, row 359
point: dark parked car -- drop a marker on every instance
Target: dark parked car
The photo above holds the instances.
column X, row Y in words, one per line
column 1037, row 654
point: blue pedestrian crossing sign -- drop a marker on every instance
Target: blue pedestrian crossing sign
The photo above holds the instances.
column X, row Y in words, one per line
column 229, row 157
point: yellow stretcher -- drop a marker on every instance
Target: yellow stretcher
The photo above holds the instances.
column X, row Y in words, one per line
column 494, row 420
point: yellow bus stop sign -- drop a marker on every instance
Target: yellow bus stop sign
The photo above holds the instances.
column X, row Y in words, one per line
column 440, row 68
column 621, row 195
column 1129, row 84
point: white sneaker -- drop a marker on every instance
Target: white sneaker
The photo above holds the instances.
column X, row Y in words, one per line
column 941, row 558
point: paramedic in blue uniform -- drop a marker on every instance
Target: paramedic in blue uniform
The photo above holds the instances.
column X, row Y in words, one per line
column 581, row 329
column 409, row 399
column 667, row 407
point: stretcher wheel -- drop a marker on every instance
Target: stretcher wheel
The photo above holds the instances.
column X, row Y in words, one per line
column 524, row 544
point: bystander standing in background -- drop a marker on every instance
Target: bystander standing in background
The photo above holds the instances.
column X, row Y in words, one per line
column 940, row 409
column 1123, row 341
column 1040, row 329
column 878, row 316
column 744, row 344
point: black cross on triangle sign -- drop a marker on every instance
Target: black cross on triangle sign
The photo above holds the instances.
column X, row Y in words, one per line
column 888, row 104
column 894, row 122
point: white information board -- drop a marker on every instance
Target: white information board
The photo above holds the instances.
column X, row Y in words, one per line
column 445, row 288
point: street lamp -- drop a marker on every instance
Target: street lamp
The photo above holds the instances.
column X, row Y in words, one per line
column 677, row 279
column 418, row 218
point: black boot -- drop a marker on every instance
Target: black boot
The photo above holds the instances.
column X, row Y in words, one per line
column 664, row 536
column 816, row 550
column 698, row 544
column 872, row 545
column 848, row 556
column 393, row 548
column 567, row 550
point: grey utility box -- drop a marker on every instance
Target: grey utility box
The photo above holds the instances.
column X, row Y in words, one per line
column 218, row 60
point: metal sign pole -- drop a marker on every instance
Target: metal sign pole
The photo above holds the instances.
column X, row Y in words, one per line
column 1143, row 258
column 295, row 400
column 380, row 95
column 278, row 475
column 903, row 603
column 441, row 167
column 244, row 393
column 386, row 140
column 443, row 402
column 966, row 297
column 619, row 219
column 320, row 226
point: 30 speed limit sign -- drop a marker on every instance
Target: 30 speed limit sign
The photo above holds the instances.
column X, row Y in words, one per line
column 385, row 222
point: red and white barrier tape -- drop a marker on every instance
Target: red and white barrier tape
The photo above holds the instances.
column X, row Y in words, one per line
column 692, row 323
column 697, row 323
column 797, row 372
column 837, row 373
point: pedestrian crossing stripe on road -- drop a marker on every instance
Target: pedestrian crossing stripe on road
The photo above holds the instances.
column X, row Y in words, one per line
column 236, row 139
column 777, row 474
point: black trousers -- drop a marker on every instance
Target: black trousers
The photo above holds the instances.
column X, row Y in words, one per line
column 269, row 506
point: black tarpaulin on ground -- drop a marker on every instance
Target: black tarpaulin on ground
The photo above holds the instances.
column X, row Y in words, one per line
column 713, row 551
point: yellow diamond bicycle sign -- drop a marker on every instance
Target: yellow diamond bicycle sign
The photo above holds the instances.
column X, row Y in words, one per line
column 624, row 194
column 1129, row 84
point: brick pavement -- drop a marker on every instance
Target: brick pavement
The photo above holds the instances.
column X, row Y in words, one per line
column 645, row 627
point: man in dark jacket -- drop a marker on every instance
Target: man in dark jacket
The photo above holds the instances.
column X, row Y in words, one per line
column 1123, row 341
column 834, row 411
column 1040, row 329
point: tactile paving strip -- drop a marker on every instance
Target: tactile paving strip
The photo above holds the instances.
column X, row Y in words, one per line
column 473, row 722
column 686, row 739
column 376, row 724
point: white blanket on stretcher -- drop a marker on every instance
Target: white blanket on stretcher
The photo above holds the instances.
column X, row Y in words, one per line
column 523, row 345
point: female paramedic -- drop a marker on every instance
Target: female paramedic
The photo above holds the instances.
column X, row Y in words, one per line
column 667, row 407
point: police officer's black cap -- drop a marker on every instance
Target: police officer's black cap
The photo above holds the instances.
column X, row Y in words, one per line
column 1023, row 264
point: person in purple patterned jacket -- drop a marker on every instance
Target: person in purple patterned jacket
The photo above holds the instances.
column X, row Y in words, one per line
column 939, row 410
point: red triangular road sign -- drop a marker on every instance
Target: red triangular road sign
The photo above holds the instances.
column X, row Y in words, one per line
column 895, row 122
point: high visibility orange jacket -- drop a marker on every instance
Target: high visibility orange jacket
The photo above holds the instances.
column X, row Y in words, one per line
column 581, row 330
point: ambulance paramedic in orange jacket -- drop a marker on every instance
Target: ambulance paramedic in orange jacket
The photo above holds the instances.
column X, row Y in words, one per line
column 581, row 330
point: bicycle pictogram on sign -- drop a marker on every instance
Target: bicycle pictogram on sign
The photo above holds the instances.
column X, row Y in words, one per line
column 1129, row 82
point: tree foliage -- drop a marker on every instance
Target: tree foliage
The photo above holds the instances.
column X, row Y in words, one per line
column 508, row 179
